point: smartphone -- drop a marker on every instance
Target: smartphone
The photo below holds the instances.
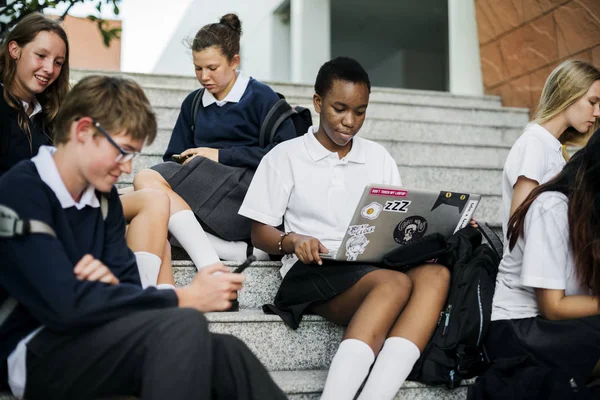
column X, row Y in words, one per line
column 180, row 159
column 245, row 264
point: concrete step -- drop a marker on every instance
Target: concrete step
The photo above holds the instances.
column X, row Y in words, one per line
column 404, row 131
column 308, row 385
column 496, row 117
column 186, row 84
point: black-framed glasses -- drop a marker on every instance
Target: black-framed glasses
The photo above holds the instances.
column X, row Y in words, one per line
column 124, row 155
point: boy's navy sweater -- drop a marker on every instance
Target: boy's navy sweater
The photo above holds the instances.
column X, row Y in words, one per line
column 38, row 270
column 14, row 144
column 234, row 129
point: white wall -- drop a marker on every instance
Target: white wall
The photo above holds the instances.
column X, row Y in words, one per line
column 256, row 17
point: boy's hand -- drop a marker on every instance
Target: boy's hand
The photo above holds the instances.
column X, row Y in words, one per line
column 307, row 249
column 91, row 269
column 210, row 153
column 211, row 291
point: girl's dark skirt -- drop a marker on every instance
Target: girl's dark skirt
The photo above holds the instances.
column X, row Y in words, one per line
column 306, row 285
column 214, row 192
column 571, row 345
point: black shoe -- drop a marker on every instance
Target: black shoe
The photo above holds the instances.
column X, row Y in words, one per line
column 235, row 306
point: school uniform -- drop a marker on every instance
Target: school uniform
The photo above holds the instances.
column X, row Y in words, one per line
column 542, row 259
column 15, row 145
column 214, row 191
column 313, row 192
column 71, row 339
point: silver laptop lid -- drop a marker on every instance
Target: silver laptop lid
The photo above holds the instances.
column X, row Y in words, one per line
column 391, row 216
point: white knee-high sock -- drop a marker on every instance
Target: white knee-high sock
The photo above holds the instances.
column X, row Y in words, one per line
column 393, row 364
column 148, row 266
column 234, row 251
column 348, row 370
column 188, row 232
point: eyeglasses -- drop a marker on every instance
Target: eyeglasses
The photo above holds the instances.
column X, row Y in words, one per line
column 124, row 156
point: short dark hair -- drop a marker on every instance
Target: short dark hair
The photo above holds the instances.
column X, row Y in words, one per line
column 341, row 68
column 225, row 35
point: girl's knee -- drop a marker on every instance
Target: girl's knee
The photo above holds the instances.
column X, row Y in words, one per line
column 395, row 284
column 147, row 178
column 435, row 275
column 154, row 201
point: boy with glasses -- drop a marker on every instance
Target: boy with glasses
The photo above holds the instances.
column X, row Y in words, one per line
column 83, row 326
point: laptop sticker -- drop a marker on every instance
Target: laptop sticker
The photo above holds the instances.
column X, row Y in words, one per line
column 358, row 242
column 410, row 229
column 371, row 211
column 397, row 206
column 452, row 199
column 388, row 192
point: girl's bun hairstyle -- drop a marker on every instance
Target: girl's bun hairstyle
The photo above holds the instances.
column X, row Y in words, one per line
column 225, row 35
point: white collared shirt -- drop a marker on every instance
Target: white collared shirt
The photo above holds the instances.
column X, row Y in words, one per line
column 541, row 258
column 536, row 155
column 234, row 95
column 315, row 190
column 46, row 168
column 37, row 107
column 48, row 172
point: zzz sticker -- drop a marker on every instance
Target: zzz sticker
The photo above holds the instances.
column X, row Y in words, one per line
column 397, row 206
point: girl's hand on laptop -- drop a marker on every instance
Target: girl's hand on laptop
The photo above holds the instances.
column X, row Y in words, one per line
column 473, row 223
column 91, row 269
column 207, row 152
column 307, row 248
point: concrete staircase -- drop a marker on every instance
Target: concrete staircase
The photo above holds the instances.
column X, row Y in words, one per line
column 439, row 141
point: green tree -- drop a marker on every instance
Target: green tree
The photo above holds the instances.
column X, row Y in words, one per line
column 12, row 13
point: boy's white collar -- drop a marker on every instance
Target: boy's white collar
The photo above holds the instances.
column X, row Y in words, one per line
column 46, row 168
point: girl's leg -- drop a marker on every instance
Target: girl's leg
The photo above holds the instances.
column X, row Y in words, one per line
column 411, row 332
column 369, row 308
column 182, row 222
column 148, row 214
column 165, row 276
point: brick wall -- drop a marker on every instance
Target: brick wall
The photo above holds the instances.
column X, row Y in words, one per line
column 522, row 41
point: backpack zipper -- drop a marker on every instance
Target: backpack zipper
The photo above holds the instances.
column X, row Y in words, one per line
column 447, row 320
column 480, row 311
column 452, row 383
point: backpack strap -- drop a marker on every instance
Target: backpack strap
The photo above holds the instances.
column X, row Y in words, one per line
column 275, row 117
column 196, row 107
column 492, row 238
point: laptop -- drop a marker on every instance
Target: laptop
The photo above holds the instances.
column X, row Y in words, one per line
column 390, row 216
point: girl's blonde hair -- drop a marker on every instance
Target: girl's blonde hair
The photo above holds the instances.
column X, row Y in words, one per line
column 564, row 86
column 23, row 33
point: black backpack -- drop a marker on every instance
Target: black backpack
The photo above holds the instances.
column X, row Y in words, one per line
column 300, row 116
column 456, row 349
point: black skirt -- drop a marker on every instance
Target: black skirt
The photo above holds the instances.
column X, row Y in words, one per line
column 310, row 284
column 214, row 192
column 571, row 345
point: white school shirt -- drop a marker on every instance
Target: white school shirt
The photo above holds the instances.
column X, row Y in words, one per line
column 313, row 189
column 536, row 155
column 543, row 259
column 234, row 95
column 46, row 168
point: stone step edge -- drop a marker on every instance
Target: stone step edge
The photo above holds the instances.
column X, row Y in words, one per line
column 313, row 381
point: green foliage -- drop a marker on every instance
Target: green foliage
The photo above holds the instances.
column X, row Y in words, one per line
column 16, row 10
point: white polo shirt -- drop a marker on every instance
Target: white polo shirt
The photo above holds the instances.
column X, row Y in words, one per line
column 315, row 190
column 536, row 155
column 541, row 258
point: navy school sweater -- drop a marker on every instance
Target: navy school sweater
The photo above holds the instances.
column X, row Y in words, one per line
column 38, row 270
column 234, row 129
column 14, row 144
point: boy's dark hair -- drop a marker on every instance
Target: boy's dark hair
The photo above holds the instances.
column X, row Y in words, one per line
column 225, row 35
column 340, row 68
column 116, row 102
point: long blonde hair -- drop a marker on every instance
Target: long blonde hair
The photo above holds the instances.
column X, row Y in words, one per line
column 23, row 33
column 565, row 86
